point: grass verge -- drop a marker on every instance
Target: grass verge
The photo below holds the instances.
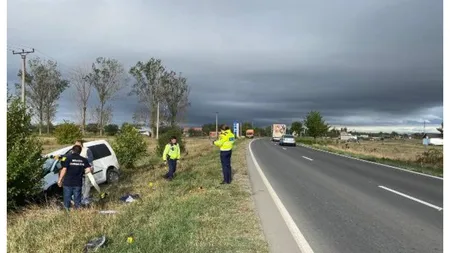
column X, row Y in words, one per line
column 193, row 213
column 404, row 164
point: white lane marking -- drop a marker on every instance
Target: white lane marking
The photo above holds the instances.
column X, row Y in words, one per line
column 361, row 160
column 412, row 198
column 302, row 244
column 307, row 158
column 285, row 148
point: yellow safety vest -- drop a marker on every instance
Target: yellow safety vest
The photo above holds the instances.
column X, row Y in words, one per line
column 226, row 141
column 171, row 151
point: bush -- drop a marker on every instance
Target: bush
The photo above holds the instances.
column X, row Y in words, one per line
column 305, row 141
column 111, row 129
column 432, row 157
column 92, row 128
column 67, row 133
column 165, row 138
column 24, row 174
column 129, row 146
column 194, row 133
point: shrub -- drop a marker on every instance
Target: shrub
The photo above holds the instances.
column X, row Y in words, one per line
column 92, row 128
column 111, row 129
column 129, row 146
column 67, row 133
column 165, row 138
column 432, row 157
column 194, row 133
column 24, row 174
column 306, row 141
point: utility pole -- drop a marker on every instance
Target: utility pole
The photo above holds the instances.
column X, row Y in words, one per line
column 217, row 124
column 23, row 54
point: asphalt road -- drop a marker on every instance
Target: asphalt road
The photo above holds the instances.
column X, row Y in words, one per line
column 344, row 205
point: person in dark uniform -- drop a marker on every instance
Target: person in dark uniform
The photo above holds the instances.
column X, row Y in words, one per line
column 71, row 176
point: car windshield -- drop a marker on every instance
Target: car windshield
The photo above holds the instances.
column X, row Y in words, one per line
column 47, row 166
column 288, row 136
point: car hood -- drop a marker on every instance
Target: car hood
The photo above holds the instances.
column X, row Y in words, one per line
column 59, row 152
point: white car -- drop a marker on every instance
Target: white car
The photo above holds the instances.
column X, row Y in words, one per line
column 144, row 132
column 287, row 139
column 106, row 166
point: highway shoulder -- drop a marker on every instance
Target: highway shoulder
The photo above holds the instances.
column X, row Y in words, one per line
column 274, row 226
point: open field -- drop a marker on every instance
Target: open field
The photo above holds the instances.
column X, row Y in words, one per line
column 404, row 153
column 193, row 213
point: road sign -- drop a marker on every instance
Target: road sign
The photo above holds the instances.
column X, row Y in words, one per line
column 236, row 128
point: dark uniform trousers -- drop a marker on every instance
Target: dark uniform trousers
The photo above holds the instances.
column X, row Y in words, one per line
column 172, row 167
column 225, row 159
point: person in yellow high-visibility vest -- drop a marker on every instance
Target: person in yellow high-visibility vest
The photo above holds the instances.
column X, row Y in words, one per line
column 225, row 143
column 170, row 156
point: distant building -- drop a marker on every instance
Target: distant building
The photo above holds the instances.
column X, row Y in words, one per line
column 186, row 130
column 347, row 136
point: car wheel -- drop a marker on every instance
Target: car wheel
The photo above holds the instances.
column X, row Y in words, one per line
column 112, row 176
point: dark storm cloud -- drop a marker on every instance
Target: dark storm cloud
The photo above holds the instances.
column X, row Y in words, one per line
column 372, row 62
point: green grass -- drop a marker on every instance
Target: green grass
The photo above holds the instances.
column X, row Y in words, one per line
column 410, row 165
column 193, row 213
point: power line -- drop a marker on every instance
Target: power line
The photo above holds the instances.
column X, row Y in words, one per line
column 23, row 54
column 63, row 66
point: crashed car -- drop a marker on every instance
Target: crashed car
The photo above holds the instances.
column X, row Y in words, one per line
column 106, row 166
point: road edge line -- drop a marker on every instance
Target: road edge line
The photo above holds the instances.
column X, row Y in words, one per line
column 385, row 165
column 301, row 241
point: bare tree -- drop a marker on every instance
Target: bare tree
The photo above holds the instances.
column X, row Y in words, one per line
column 175, row 96
column 98, row 116
column 141, row 117
column 44, row 86
column 108, row 77
column 80, row 79
column 55, row 87
column 148, row 84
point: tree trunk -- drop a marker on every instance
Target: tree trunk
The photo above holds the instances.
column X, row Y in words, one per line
column 83, row 120
column 101, row 118
column 153, row 120
column 41, row 119
column 48, row 121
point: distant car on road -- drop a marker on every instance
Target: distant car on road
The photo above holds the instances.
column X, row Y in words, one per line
column 145, row 132
column 287, row 139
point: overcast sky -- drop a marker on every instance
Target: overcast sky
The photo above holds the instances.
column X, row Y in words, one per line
column 371, row 63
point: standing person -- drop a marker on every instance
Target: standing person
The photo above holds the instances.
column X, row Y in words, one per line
column 86, row 185
column 225, row 143
column 71, row 176
column 170, row 156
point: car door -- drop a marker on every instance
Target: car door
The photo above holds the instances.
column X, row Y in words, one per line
column 100, row 152
column 52, row 176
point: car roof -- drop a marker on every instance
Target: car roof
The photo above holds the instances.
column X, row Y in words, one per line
column 64, row 150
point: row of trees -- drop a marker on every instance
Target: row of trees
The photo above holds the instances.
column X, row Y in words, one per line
column 154, row 85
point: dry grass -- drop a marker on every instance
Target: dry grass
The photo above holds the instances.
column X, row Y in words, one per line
column 408, row 154
column 193, row 213
column 403, row 150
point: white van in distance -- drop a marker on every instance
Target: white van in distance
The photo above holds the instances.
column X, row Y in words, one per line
column 106, row 166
